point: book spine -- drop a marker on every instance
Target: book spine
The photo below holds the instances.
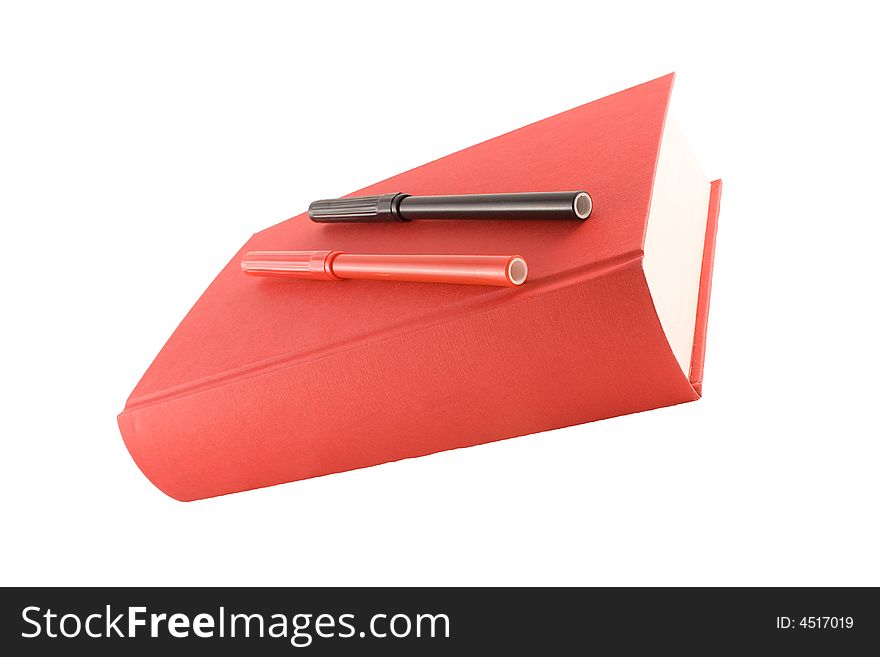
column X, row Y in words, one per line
column 595, row 349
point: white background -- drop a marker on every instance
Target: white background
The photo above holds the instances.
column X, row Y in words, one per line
column 142, row 143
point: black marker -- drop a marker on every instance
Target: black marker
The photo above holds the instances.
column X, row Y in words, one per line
column 403, row 207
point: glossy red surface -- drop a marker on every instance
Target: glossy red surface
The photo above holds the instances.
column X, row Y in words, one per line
column 499, row 270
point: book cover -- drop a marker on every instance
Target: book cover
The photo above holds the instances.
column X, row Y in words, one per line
column 270, row 381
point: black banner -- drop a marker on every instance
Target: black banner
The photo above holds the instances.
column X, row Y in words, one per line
column 409, row 621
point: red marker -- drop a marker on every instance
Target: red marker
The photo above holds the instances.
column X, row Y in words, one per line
column 499, row 270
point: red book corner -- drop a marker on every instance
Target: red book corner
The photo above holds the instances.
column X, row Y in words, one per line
column 270, row 381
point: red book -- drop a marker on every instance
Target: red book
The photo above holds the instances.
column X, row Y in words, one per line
column 269, row 381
